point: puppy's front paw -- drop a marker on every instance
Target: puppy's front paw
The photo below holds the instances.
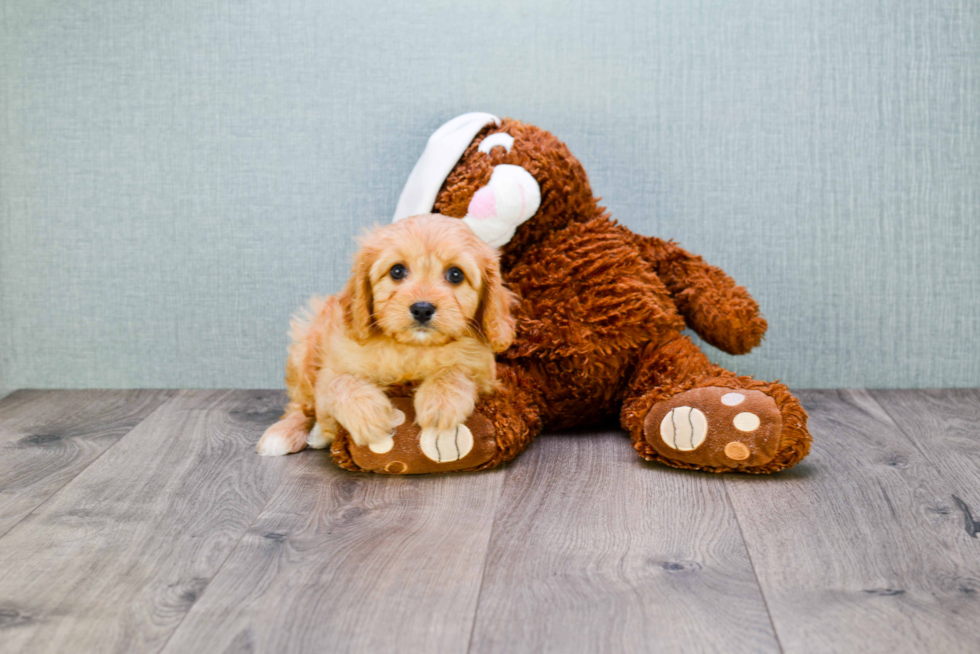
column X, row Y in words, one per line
column 442, row 412
column 321, row 438
column 378, row 435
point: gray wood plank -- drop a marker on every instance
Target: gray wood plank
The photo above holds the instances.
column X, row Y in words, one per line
column 116, row 558
column 945, row 425
column 48, row 437
column 595, row 550
column 857, row 549
column 341, row 561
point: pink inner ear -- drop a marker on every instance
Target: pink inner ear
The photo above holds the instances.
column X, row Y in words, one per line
column 483, row 204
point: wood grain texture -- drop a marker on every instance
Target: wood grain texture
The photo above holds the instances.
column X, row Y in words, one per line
column 595, row 550
column 175, row 536
column 48, row 437
column 116, row 558
column 340, row 562
column 859, row 548
column 945, row 424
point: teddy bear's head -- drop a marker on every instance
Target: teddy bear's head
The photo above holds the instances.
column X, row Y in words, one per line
column 512, row 183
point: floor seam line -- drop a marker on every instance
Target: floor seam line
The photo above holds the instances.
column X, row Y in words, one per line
column 894, row 420
column 224, row 561
column 483, row 573
column 755, row 571
column 896, row 425
column 87, row 466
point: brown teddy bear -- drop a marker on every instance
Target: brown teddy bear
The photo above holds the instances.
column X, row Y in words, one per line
column 599, row 320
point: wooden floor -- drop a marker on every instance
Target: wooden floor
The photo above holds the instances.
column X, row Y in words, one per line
column 142, row 521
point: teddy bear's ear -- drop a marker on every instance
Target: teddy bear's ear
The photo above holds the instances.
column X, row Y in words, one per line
column 445, row 147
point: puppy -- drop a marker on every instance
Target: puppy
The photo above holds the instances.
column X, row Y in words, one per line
column 425, row 303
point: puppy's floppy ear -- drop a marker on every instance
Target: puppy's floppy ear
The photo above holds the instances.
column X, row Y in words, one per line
column 494, row 315
column 357, row 300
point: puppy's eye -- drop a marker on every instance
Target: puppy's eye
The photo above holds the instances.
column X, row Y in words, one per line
column 454, row 275
column 398, row 271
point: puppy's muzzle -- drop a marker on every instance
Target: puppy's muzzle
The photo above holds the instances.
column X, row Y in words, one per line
column 422, row 312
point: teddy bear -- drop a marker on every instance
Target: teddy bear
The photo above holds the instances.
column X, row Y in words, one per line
column 600, row 321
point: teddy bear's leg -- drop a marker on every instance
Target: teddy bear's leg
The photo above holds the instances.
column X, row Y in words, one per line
column 684, row 411
column 501, row 426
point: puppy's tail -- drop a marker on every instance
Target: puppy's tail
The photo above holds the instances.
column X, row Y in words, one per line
column 303, row 361
column 302, row 321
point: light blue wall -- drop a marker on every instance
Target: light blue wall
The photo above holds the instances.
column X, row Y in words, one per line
column 176, row 177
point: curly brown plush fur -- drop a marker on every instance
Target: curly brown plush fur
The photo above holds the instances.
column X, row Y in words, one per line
column 599, row 327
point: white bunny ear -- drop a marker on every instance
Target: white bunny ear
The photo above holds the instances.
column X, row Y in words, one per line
column 446, row 145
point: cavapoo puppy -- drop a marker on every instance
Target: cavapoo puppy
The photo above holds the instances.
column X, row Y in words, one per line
column 425, row 303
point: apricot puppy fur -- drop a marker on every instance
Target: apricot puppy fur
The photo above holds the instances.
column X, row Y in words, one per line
column 425, row 303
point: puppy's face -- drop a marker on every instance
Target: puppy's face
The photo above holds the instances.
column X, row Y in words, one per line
column 426, row 288
column 429, row 280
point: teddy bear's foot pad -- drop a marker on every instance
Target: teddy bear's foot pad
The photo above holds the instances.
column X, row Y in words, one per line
column 411, row 451
column 715, row 427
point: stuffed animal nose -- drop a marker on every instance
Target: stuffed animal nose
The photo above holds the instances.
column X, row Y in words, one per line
column 508, row 200
column 422, row 311
column 483, row 204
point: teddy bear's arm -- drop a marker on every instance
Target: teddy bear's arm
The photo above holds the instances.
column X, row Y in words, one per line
column 587, row 291
column 719, row 310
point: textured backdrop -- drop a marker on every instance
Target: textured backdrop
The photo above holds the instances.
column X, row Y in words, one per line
column 176, row 177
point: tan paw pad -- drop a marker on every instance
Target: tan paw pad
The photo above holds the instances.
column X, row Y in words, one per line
column 737, row 451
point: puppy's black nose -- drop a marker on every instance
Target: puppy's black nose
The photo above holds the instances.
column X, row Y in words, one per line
column 422, row 311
